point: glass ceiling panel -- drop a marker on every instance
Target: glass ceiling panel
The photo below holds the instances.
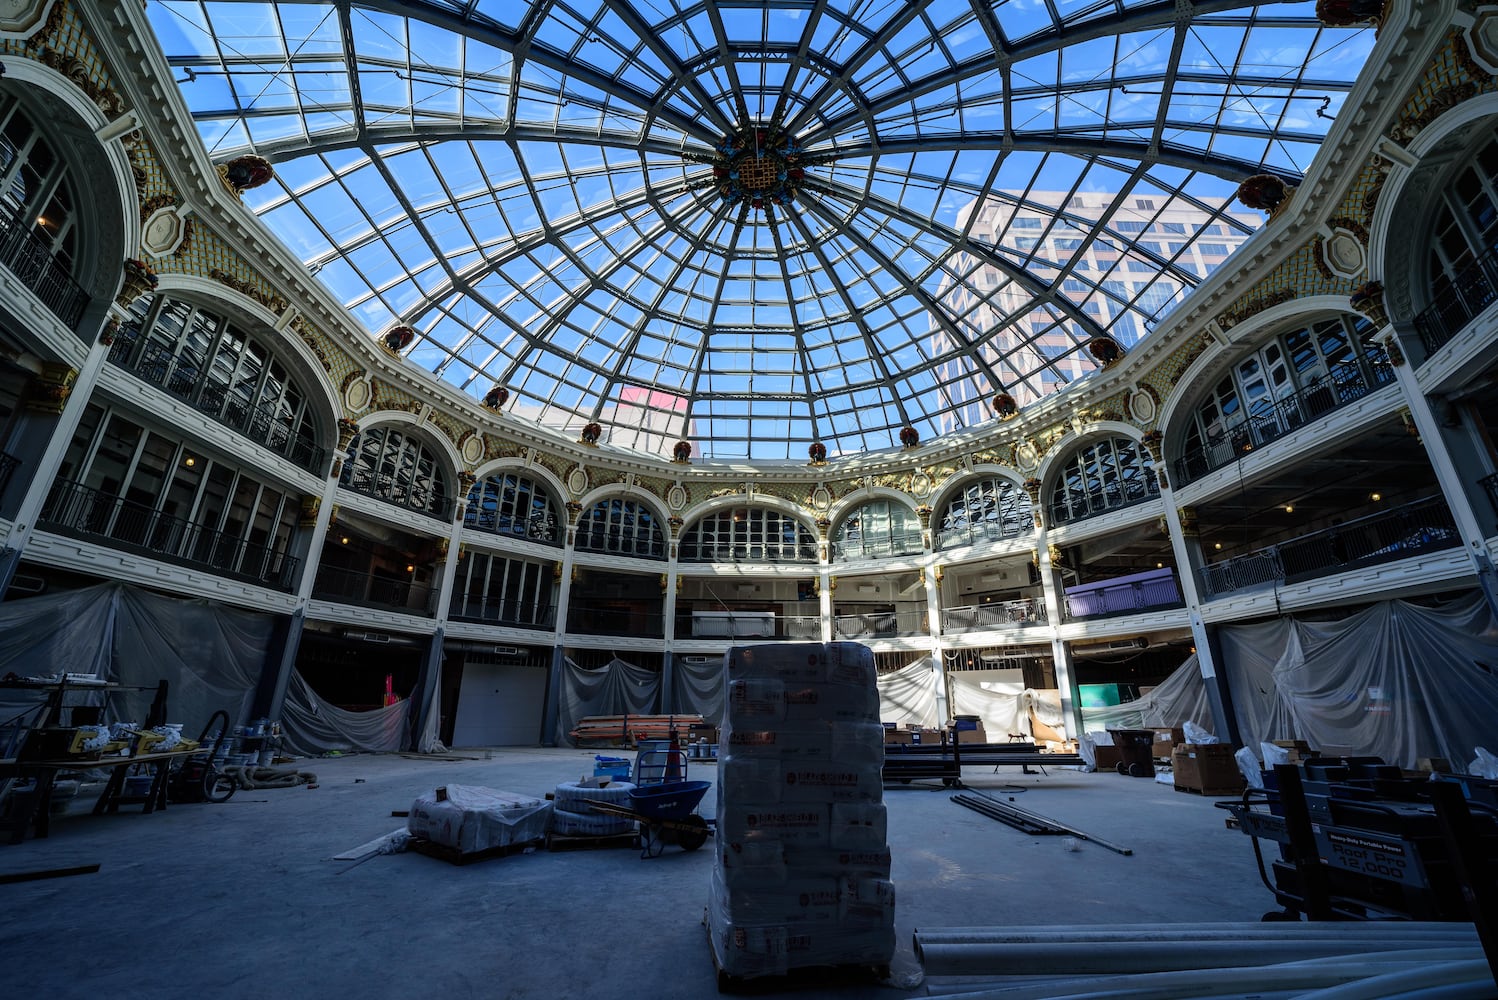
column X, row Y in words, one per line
column 759, row 225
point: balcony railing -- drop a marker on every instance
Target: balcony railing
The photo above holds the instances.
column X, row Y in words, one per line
column 75, row 509
column 1474, row 289
column 984, row 531
column 155, row 366
column 1346, row 384
column 1124, row 595
column 1488, row 483
column 746, row 624
column 1422, row 526
column 589, row 540
column 615, row 621
column 520, row 614
column 537, row 528
column 366, row 589
column 774, row 552
column 8, row 464
column 30, row 259
column 1079, row 506
column 907, row 544
column 1001, row 614
column 387, row 489
column 881, row 624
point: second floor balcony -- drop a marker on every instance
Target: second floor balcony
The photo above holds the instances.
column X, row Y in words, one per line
column 878, row 546
column 594, row 619
column 517, row 614
column 994, row 615
column 882, row 623
column 1422, row 526
column 1466, row 298
column 398, row 493
column 746, row 623
column 29, row 258
column 1122, row 595
column 79, row 510
column 373, row 589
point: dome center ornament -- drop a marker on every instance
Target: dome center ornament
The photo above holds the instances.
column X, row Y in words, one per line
column 759, row 165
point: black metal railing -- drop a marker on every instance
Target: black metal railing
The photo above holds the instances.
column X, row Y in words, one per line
column 1488, row 483
column 1079, row 506
column 906, row 544
column 773, row 552
column 387, row 489
column 999, row 614
column 1421, row 526
column 615, row 621
column 1126, row 597
column 589, row 540
column 1345, row 384
column 8, row 464
column 1468, row 296
column 881, row 624
column 30, row 259
column 520, row 614
column 538, row 528
column 983, row 531
column 155, row 366
column 75, row 509
column 372, row 590
column 746, row 624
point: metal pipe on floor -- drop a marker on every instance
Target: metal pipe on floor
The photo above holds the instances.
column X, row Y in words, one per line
column 1416, row 982
column 1245, row 928
column 1113, row 957
column 1314, row 932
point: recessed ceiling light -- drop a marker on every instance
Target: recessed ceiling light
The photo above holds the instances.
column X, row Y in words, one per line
column 1375, row 497
column 1289, row 508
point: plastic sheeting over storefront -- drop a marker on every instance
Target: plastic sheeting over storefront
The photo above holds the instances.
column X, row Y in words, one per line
column 616, row 688
column 211, row 656
column 697, row 687
column 1397, row 680
column 312, row 727
column 908, row 695
column 1177, row 700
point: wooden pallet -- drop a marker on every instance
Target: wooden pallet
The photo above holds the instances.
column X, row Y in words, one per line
column 1223, row 792
column 456, row 857
column 801, row 978
column 574, row 842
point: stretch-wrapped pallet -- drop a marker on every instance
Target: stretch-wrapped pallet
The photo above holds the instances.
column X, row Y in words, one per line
column 801, row 867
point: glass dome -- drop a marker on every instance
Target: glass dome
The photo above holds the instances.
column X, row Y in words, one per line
column 759, row 226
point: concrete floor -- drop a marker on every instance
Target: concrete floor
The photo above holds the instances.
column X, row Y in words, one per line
column 242, row 899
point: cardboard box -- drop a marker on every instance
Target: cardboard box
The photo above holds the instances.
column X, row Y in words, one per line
column 1207, row 767
column 930, row 737
column 899, row 736
column 1108, row 758
column 966, row 736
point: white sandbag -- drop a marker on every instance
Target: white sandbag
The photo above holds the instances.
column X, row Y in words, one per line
column 830, row 783
column 867, row 902
column 858, row 743
column 859, row 826
column 754, row 779
column 805, row 740
column 1248, row 766
column 793, row 663
column 788, row 824
column 472, row 818
column 750, row 863
column 755, row 701
column 830, row 703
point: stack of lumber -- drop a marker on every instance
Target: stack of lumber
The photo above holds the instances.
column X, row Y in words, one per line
column 630, row 729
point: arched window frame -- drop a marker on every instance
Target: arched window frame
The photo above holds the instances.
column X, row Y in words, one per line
column 511, row 504
column 986, row 510
column 877, row 529
column 35, row 189
column 391, row 464
column 754, row 534
column 1101, row 476
column 623, row 527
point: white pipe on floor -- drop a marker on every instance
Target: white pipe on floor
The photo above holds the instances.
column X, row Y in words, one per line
column 1416, row 982
column 1373, row 927
column 1108, row 957
column 1314, row 932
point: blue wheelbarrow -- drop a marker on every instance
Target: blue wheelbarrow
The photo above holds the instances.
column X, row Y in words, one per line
column 665, row 813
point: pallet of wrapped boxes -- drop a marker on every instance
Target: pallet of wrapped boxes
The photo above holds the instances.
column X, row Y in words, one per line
column 801, row 868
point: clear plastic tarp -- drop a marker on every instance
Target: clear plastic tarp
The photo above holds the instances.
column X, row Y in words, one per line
column 616, row 688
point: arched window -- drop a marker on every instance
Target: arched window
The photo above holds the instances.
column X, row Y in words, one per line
column 878, row 528
column 1463, row 251
column 1295, row 377
column 516, row 505
column 35, row 190
column 987, row 510
column 390, row 465
column 1102, row 476
column 219, row 369
column 622, row 527
column 748, row 533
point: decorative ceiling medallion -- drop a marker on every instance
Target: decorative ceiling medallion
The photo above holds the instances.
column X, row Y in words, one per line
column 759, row 165
column 22, row 18
column 1027, row 456
column 356, row 391
column 1144, row 404
column 821, row 498
column 920, row 485
column 164, row 231
column 1482, row 38
column 471, row 447
column 577, row 481
column 676, row 497
column 1344, row 254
